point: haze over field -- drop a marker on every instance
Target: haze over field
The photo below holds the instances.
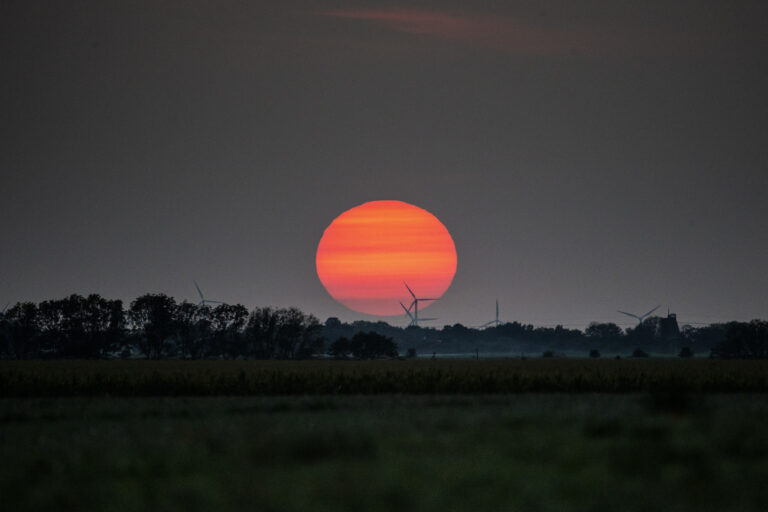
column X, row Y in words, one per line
column 585, row 157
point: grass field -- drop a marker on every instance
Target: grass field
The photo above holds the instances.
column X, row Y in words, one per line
column 527, row 452
column 188, row 378
column 269, row 441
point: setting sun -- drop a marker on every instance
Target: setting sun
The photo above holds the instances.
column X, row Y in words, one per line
column 367, row 253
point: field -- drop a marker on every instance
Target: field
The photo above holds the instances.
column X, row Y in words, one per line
column 269, row 441
column 196, row 378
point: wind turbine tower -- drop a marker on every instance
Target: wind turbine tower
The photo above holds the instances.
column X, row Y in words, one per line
column 415, row 307
column 640, row 318
column 407, row 312
column 203, row 300
column 495, row 322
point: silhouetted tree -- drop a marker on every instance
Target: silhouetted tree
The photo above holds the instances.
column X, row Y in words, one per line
column 282, row 334
column 594, row 353
column 641, row 335
column 370, row 345
column 193, row 330
column 685, row 353
column 82, row 327
column 22, row 331
column 6, row 349
column 152, row 316
column 603, row 332
column 298, row 335
column 744, row 341
column 260, row 333
column 340, row 349
column 702, row 338
column 227, row 323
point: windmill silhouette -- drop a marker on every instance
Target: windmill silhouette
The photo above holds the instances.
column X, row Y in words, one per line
column 203, row 300
column 495, row 322
column 640, row 318
column 415, row 307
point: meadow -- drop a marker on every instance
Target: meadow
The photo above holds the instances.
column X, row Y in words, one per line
column 534, row 435
column 527, row 452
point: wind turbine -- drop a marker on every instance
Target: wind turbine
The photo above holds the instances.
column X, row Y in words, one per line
column 640, row 318
column 412, row 317
column 5, row 308
column 407, row 312
column 496, row 322
column 415, row 306
column 203, row 300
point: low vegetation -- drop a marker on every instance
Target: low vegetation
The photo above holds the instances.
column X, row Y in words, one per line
column 545, row 453
column 158, row 378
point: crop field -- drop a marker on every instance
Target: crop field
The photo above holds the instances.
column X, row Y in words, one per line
column 196, row 378
column 534, row 435
column 527, row 452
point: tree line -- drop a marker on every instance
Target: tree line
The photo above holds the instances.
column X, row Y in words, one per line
column 155, row 326
column 654, row 335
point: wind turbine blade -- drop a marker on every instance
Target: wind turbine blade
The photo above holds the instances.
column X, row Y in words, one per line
column 6, row 307
column 486, row 324
column 407, row 311
column 409, row 290
column 198, row 290
column 428, row 298
column 629, row 314
column 651, row 311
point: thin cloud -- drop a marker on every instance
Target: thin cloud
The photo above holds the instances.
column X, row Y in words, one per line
column 519, row 36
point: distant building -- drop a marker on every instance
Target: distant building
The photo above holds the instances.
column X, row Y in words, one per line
column 333, row 322
column 667, row 329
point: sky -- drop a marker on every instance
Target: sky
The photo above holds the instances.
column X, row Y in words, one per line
column 585, row 156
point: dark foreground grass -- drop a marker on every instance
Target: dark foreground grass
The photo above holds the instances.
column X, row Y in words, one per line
column 173, row 378
column 526, row 452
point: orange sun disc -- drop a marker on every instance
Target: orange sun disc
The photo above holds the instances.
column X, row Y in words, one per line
column 369, row 251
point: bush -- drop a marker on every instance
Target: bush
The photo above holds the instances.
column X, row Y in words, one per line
column 594, row 353
column 371, row 345
column 340, row 349
column 640, row 353
column 548, row 354
column 685, row 353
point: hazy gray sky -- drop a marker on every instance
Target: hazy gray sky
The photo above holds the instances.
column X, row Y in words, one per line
column 585, row 156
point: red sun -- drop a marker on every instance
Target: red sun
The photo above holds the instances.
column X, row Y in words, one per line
column 367, row 253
